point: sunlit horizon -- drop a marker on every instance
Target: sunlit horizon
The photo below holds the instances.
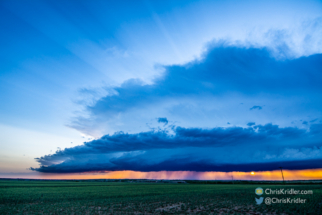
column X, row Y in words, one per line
column 289, row 175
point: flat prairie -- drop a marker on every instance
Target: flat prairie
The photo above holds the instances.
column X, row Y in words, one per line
column 83, row 197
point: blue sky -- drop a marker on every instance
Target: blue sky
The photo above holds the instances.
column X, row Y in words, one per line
column 240, row 74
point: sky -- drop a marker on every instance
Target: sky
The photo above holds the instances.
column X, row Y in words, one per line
column 161, row 89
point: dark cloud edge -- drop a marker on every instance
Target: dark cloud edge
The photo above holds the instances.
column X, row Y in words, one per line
column 183, row 165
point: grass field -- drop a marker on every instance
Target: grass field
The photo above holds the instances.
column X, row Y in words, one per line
column 59, row 197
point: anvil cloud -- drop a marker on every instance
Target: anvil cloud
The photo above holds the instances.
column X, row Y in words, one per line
column 215, row 85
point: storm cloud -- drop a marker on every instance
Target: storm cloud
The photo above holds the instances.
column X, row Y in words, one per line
column 261, row 147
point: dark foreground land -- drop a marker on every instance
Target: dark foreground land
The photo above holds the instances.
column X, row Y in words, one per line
column 79, row 197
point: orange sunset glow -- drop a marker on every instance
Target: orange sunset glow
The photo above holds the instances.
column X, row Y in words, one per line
column 310, row 174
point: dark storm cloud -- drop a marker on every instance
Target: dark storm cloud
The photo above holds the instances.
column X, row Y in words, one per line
column 188, row 149
column 178, row 165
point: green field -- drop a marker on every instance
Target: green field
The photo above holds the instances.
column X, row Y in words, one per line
column 59, row 197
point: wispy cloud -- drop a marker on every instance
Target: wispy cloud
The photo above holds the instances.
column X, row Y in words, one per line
column 256, row 107
column 163, row 120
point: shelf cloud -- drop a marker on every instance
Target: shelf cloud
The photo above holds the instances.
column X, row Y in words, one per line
column 261, row 147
